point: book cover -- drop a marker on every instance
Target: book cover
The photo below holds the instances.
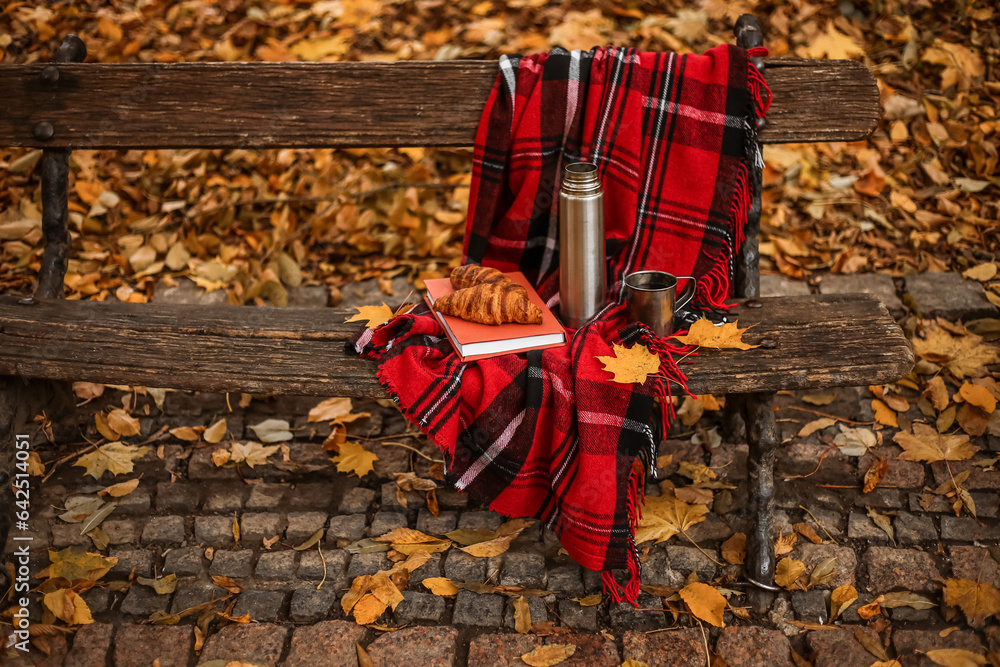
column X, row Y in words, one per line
column 475, row 341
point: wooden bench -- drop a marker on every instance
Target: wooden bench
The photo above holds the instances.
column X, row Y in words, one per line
column 808, row 342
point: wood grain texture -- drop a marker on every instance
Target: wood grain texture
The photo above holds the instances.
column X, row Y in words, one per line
column 823, row 341
column 289, row 105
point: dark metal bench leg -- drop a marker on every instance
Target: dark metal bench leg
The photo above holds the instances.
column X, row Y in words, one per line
column 762, row 436
column 732, row 418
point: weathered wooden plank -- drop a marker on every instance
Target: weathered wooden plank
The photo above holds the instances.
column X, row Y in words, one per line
column 411, row 103
column 822, row 341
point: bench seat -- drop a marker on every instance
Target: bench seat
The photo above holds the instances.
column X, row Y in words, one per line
column 822, row 341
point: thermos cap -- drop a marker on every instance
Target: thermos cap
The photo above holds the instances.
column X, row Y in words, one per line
column 580, row 178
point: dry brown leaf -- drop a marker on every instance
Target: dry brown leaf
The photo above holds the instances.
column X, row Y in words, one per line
column 824, row 572
column 215, row 432
column 981, row 272
column 979, row 396
column 963, row 355
column 704, row 333
column 788, row 572
column 339, row 410
column 372, row 316
column 382, row 587
column 440, row 586
column 956, row 657
column 816, row 425
column 876, row 473
column 467, row 536
column 704, row 602
column 123, row 423
column 355, row 459
column 841, row 598
column 663, row 517
column 120, row 489
column 927, row 445
column 113, row 457
column 364, row 660
column 936, row 392
column 227, row 583
column 67, row 606
column 405, row 536
column 522, row 615
column 186, row 433
column 551, row 654
column 873, row 608
column 368, row 609
column 872, row 644
column 489, row 548
column 359, row 587
column 978, row 601
column 785, row 544
column 589, row 601
column 734, row 550
column 906, row 599
column 825, row 398
column 884, row 414
column 632, row 364
column 806, row 531
column 883, row 522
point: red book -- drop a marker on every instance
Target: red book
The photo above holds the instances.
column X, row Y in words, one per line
column 480, row 341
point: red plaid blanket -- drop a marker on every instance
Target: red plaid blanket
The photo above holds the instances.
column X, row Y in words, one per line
column 545, row 433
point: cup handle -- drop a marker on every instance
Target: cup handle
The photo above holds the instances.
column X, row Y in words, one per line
column 684, row 298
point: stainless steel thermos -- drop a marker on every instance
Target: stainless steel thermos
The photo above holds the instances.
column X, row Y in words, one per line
column 582, row 266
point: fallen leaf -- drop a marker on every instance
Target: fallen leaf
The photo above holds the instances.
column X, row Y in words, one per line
column 981, row 272
column 215, row 432
column 907, row 599
column 979, row 396
column 978, row 601
column 73, row 563
column 440, row 586
column 489, row 548
column 368, row 609
column 841, row 598
column 373, row 316
column 834, row 45
column 339, row 410
column 113, row 457
column 311, row 542
column 788, row 572
column 816, row 425
column 927, row 445
column 551, row 654
column 704, row 602
column 884, row 414
column 227, row 583
column 935, row 392
column 120, row 489
column 632, row 364
column 364, row 660
column 67, row 606
column 826, row 398
column 785, row 544
column 871, row 644
column 359, row 587
column 272, row 430
column 875, row 474
column 734, row 550
column 704, row 333
column 663, row 517
column 250, row 452
column 854, row 441
column 186, row 433
column 883, row 522
column 963, row 355
column 162, row 586
column 873, row 608
column 385, row 590
column 806, row 531
column 405, row 536
column 589, row 601
column 353, row 458
column 956, row 657
column 123, row 423
column 631, row 662
column 522, row 615
column 467, row 536
column 824, row 572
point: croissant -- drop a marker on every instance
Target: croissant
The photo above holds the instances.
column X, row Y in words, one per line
column 490, row 303
column 473, row 274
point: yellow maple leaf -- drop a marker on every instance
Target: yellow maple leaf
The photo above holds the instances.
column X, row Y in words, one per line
column 663, row 517
column 114, row 457
column 73, row 563
column 978, row 601
column 705, row 334
column 632, row 364
column 960, row 63
column 352, row 457
column 375, row 315
column 704, row 602
column 788, row 572
column 927, row 445
column 833, row 44
column 963, row 355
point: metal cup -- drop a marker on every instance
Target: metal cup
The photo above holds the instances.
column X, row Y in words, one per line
column 651, row 298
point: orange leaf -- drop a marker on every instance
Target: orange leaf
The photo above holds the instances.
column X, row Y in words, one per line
column 704, row 602
column 632, row 364
column 705, row 334
column 375, row 316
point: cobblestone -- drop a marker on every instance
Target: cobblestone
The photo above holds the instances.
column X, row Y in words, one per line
column 902, row 569
column 326, row 644
column 367, row 564
column 910, row 645
column 309, row 605
column 420, row 608
column 460, row 566
column 261, row 526
column 235, row 563
column 279, row 565
column 480, row 610
column 986, row 504
column 657, row 571
column 579, row 618
column 625, row 616
column 880, row 498
column 248, row 642
column 302, row 525
column 143, row 601
column 444, row 522
column 902, row 474
column 384, row 522
column 311, row 567
column 121, row 531
column 536, row 608
column 357, row 501
column 137, row 502
column 428, row 647
column 496, row 650
column 140, row 645
column 811, row 606
column 265, row 497
column 847, row 562
column 839, row 648
column 774, row 285
column 967, row 529
column 97, row 599
column 432, row 568
column 479, row 519
column 91, row 646
column 224, row 499
column 860, row 527
column 567, row 580
column 414, row 499
column 186, row 561
column 141, row 561
column 169, row 529
column 526, row 570
column 752, row 646
column 688, row 559
column 309, row 495
column 879, row 284
column 261, row 605
column 349, row 527
column 452, row 499
column 177, row 497
column 68, row 535
column 948, row 295
column 683, row 648
column 213, row 529
column 914, row 528
column 189, row 594
column 974, row 563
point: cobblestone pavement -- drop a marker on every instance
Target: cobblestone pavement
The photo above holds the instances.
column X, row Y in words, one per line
column 180, row 519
